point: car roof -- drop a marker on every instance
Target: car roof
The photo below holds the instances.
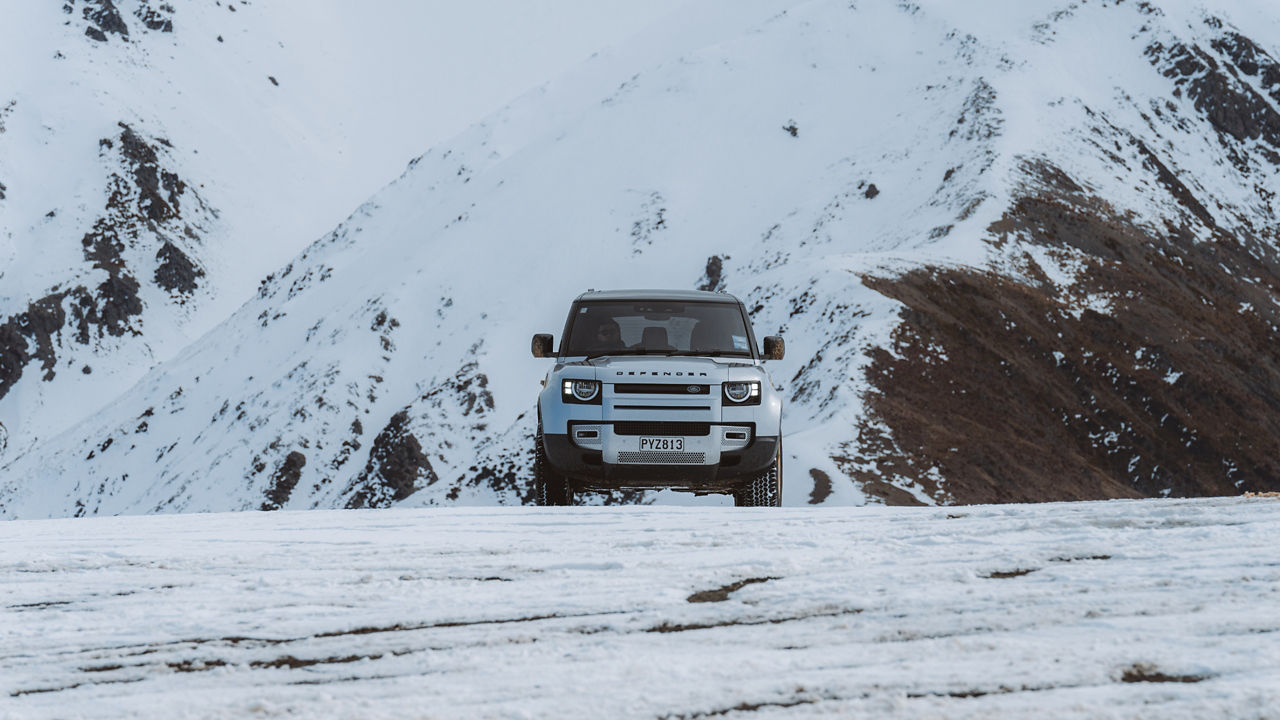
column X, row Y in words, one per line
column 701, row 295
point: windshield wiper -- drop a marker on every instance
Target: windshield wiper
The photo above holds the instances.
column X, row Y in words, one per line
column 666, row 353
column 711, row 353
column 622, row 351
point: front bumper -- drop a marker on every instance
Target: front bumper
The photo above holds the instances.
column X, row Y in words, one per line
column 587, row 469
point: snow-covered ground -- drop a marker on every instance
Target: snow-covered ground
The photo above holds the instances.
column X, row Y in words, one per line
column 1157, row 608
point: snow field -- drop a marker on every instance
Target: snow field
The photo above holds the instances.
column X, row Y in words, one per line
column 1152, row 608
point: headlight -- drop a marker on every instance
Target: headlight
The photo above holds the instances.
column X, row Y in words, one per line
column 742, row 393
column 581, row 391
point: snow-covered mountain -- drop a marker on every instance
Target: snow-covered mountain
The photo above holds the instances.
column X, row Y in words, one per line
column 157, row 160
column 1026, row 253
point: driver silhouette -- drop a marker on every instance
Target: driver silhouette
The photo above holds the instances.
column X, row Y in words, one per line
column 608, row 335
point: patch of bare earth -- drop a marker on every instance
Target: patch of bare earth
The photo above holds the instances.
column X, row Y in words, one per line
column 722, row 594
column 1145, row 673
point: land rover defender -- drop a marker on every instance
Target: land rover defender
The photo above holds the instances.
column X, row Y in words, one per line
column 658, row 389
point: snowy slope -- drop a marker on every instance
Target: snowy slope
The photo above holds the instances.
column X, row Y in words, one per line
column 158, row 159
column 1026, row 253
column 1154, row 608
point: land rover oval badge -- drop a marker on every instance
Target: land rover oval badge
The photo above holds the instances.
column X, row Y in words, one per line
column 693, row 388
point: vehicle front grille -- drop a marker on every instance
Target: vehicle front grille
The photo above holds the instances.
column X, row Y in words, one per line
column 662, row 458
column 661, row 389
column 685, row 429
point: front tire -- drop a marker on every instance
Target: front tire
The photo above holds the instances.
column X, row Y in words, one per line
column 549, row 486
column 765, row 489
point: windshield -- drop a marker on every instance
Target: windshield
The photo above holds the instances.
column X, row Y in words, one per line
column 642, row 327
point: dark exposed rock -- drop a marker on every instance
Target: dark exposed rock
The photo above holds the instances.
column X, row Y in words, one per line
column 821, row 486
column 137, row 203
column 43, row 319
column 980, row 118
column 349, row 446
column 1252, row 61
column 284, row 480
column 871, row 191
column 509, row 475
column 1170, row 181
column 2, row 189
column 653, row 220
column 396, row 463
column 1234, row 108
column 468, row 389
column 14, row 354
column 149, row 178
column 155, row 18
column 176, row 273
column 712, row 278
column 105, row 19
column 28, row 336
column 1175, row 389
column 118, row 301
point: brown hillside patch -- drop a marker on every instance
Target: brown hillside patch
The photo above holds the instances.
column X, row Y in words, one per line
column 1015, row 393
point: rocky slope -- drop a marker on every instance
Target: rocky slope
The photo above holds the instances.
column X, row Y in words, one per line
column 158, row 159
column 1027, row 253
column 104, row 231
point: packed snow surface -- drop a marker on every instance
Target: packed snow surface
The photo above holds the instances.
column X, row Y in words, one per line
column 1154, row 608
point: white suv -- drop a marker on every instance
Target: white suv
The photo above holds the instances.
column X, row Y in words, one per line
column 659, row 389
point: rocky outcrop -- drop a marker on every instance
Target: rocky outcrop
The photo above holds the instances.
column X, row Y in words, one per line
column 103, row 18
column 284, row 480
column 143, row 208
column 396, row 464
column 1234, row 107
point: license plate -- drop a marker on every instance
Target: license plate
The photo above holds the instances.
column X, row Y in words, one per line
column 662, row 443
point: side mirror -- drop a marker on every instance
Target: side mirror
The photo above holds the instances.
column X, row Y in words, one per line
column 774, row 348
column 542, row 346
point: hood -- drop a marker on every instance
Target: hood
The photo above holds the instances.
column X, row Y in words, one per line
column 656, row 369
